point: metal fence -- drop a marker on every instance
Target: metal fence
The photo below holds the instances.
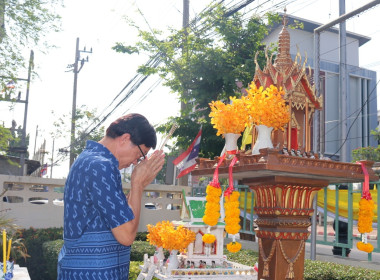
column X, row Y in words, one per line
column 347, row 218
column 325, row 216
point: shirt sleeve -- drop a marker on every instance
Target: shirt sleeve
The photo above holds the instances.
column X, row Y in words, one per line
column 106, row 193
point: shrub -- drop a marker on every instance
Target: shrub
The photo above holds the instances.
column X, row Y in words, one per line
column 317, row 270
column 141, row 236
column 134, row 270
column 33, row 240
column 366, row 153
column 246, row 257
column 50, row 251
column 139, row 248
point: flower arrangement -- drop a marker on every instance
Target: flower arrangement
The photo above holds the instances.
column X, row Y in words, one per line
column 154, row 233
column 267, row 107
column 165, row 235
column 229, row 118
column 232, row 219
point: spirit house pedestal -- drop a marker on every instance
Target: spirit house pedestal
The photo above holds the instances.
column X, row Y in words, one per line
column 284, row 188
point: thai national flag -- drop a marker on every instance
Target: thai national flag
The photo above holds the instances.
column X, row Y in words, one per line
column 186, row 161
column 44, row 170
column 11, row 84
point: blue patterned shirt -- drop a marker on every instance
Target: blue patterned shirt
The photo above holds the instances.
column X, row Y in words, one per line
column 94, row 203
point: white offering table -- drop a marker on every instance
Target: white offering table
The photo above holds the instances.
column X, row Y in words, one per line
column 235, row 271
column 20, row 273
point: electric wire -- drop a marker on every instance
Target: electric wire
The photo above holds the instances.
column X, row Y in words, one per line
column 192, row 27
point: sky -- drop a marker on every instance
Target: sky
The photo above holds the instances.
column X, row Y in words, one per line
column 99, row 24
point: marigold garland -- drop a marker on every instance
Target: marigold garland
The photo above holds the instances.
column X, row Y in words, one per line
column 233, row 247
column 267, row 107
column 366, row 208
column 212, row 210
column 208, row 238
column 365, row 247
column 232, row 212
column 232, row 219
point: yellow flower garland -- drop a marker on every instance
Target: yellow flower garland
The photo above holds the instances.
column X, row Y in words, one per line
column 232, row 218
column 366, row 207
column 208, row 238
column 212, row 211
column 232, row 212
column 234, row 247
column 365, row 215
column 365, row 247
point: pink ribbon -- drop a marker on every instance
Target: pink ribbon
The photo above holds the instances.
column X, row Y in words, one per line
column 365, row 190
column 230, row 188
column 215, row 181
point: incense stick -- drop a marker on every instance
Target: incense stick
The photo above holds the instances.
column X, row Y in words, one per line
column 172, row 129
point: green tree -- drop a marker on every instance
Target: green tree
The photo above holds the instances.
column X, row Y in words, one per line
column 24, row 24
column 368, row 153
column 84, row 119
column 5, row 137
column 202, row 66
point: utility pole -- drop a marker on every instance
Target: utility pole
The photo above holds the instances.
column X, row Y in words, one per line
column 74, row 106
column 23, row 137
column 52, row 160
column 35, row 141
column 343, row 80
column 183, row 181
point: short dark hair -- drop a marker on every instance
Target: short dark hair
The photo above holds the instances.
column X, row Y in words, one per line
column 141, row 131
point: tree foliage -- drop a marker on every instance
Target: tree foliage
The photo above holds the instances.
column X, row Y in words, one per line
column 23, row 24
column 5, row 138
column 83, row 119
column 202, row 66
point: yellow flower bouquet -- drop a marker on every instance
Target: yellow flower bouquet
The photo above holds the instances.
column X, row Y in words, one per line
column 229, row 118
column 170, row 237
column 267, row 107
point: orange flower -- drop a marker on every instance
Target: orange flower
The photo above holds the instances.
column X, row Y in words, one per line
column 232, row 212
column 267, row 107
column 212, row 209
column 229, row 118
column 233, row 247
column 365, row 215
column 208, row 238
column 165, row 235
column 365, row 247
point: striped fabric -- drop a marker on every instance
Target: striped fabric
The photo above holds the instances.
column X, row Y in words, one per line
column 94, row 204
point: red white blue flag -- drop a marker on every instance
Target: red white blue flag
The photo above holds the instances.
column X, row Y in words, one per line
column 44, row 170
column 11, row 84
column 186, row 161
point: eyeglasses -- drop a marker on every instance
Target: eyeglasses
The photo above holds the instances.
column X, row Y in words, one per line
column 142, row 153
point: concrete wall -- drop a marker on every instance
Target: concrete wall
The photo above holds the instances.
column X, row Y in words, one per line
column 38, row 202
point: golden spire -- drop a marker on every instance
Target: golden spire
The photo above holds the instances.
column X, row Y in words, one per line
column 283, row 59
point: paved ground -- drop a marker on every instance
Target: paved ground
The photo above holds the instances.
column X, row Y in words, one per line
column 324, row 252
